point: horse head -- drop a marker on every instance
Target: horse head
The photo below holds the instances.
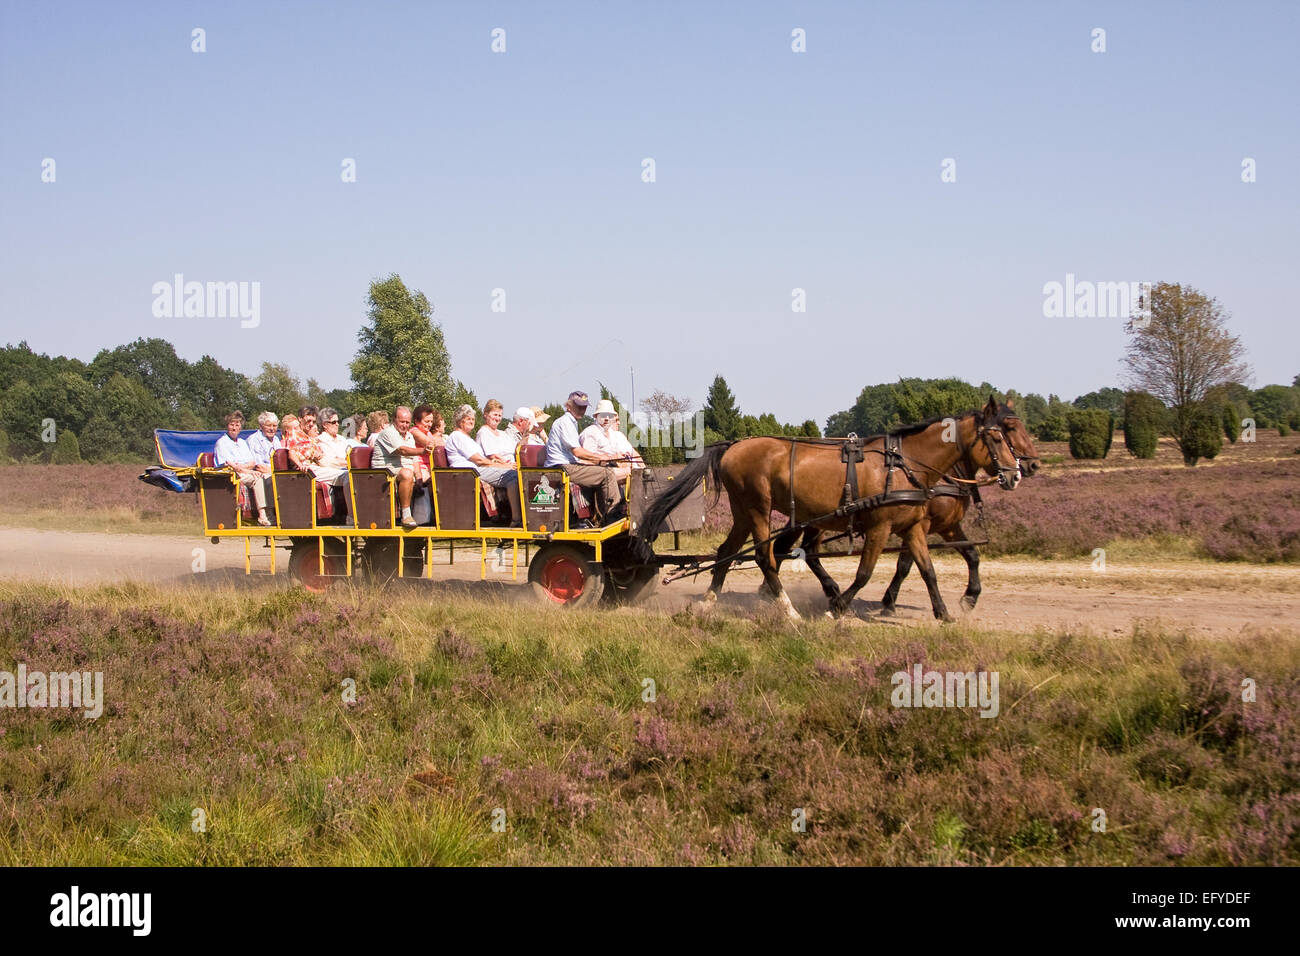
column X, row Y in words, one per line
column 1017, row 435
column 992, row 449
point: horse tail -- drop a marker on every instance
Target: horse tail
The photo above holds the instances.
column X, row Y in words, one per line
column 707, row 465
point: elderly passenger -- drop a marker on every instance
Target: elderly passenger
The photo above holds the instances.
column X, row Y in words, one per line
column 524, row 430
column 464, row 452
column 265, row 443
column 375, row 422
column 491, row 439
column 586, row 468
column 332, row 466
column 395, row 449
column 233, row 452
column 303, row 448
column 357, row 430
column 604, row 438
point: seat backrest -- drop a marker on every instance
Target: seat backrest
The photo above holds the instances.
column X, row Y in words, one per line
column 440, row 457
column 359, row 457
column 280, row 459
column 532, row 456
column 207, row 460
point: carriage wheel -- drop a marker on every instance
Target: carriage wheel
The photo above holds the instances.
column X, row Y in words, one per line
column 380, row 560
column 630, row 585
column 304, row 564
column 566, row 575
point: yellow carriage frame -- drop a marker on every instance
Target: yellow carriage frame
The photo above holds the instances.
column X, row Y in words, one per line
column 596, row 538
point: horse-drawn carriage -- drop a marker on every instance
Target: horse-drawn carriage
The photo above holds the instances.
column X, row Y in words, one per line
column 915, row 480
column 338, row 530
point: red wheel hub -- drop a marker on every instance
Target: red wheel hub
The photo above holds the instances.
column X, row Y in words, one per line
column 309, row 569
column 563, row 579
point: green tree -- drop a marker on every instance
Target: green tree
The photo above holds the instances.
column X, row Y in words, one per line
column 1179, row 354
column 721, row 414
column 151, row 362
column 215, row 391
column 1273, row 404
column 22, row 413
column 276, row 389
column 132, row 414
column 1144, row 416
column 67, row 451
column 1090, row 431
column 1111, row 399
column 1202, row 437
column 402, row 357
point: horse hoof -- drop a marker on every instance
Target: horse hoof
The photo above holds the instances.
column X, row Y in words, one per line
column 968, row 603
column 889, row 612
column 947, row 619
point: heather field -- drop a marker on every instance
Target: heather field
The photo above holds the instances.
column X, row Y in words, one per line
column 232, row 701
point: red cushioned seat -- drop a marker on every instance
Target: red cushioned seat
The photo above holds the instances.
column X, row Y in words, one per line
column 532, row 456
column 359, row 457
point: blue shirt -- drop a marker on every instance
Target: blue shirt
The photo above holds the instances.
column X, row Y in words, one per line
column 262, row 447
column 563, row 438
column 229, row 452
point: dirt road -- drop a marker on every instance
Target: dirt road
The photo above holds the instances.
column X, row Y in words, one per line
column 1201, row 597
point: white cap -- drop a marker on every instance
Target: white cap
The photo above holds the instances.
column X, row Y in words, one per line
column 523, row 411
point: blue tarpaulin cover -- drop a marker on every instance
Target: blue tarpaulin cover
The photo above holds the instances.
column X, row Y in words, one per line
column 177, row 449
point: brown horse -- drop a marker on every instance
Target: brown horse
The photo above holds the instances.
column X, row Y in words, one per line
column 944, row 514
column 806, row 480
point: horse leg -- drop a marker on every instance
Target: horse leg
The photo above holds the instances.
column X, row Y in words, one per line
column 763, row 555
column 971, row 556
column 739, row 532
column 812, row 539
column 915, row 541
column 874, row 543
column 784, row 540
column 891, row 593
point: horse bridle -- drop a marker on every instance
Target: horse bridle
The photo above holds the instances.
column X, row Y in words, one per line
column 1019, row 457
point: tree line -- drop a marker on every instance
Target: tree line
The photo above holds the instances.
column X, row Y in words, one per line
column 63, row 410
column 1184, row 373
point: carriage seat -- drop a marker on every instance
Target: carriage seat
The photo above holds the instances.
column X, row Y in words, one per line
column 487, row 494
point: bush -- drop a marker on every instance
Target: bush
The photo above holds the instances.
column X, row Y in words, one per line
column 1143, row 417
column 67, row 450
column 1053, row 428
column 1090, row 431
column 1283, row 429
column 1231, row 424
column 1201, row 437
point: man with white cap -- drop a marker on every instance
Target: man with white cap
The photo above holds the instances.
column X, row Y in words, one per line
column 586, row 468
column 523, row 429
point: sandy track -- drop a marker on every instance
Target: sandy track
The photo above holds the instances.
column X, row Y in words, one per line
column 1222, row 599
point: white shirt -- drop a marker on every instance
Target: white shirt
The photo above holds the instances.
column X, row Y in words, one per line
column 494, row 442
column 459, row 448
column 593, row 438
column 333, row 450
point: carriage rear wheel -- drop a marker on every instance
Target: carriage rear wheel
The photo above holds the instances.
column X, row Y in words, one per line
column 305, row 564
column 566, row 575
column 630, row 585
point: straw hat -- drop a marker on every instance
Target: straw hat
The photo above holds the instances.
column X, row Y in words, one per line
column 606, row 407
column 539, row 416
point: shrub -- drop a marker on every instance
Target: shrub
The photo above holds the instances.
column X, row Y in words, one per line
column 1053, row 428
column 1144, row 417
column 1090, row 431
column 1283, row 429
column 67, row 450
column 1202, row 437
column 1231, row 424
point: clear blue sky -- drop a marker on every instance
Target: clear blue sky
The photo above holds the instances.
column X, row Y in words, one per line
column 775, row 170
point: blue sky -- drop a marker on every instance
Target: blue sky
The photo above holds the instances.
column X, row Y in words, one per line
column 775, row 170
